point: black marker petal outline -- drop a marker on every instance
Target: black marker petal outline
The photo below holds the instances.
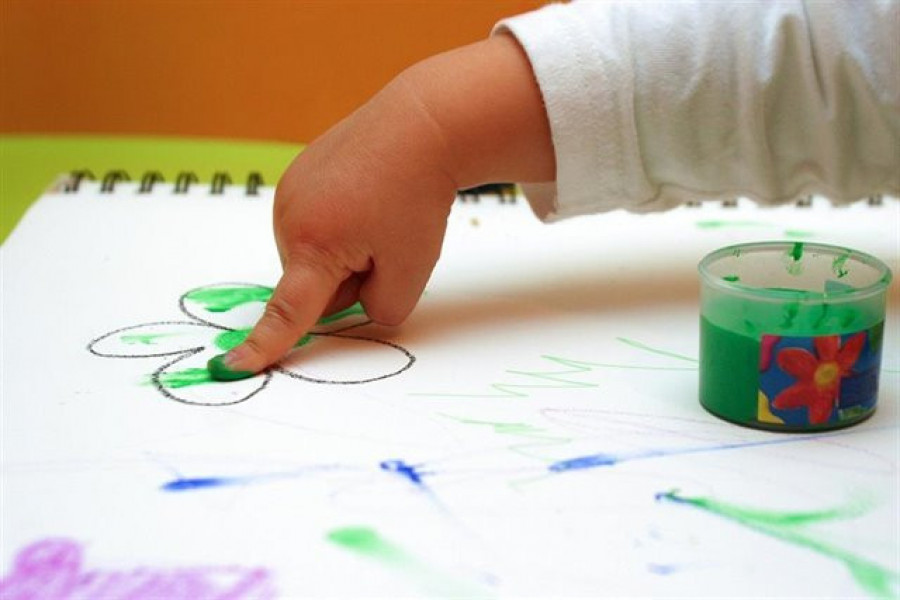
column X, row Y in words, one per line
column 409, row 362
column 191, row 350
column 168, row 393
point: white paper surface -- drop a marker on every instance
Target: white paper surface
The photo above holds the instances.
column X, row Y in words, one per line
column 441, row 474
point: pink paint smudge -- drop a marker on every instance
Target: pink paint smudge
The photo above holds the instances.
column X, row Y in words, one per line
column 54, row 569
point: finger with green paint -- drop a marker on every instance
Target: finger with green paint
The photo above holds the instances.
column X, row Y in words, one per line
column 360, row 214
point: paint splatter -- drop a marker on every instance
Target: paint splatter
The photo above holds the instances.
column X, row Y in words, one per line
column 796, row 251
column 791, row 527
column 53, row 568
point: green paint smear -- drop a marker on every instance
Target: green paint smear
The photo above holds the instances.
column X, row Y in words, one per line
column 218, row 371
column 878, row 581
column 185, row 378
column 796, row 252
column 731, row 278
column 148, row 339
column 798, row 233
column 356, row 309
column 712, row 224
column 367, row 543
column 223, row 299
column 839, row 263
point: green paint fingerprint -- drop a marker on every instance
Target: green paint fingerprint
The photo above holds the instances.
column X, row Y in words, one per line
column 878, row 581
column 185, row 378
column 223, row 299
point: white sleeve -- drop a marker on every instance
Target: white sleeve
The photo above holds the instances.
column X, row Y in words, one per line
column 652, row 104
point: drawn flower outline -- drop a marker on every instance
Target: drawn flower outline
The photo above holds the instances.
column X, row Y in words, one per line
column 220, row 317
column 818, row 376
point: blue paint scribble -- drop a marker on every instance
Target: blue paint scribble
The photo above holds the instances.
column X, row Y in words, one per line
column 584, row 462
column 404, row 469
column 197, row 483
column 606, row 460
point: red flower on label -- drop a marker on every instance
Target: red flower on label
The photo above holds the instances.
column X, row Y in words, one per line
column 818, row 377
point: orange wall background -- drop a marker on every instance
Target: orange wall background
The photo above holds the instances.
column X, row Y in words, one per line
column 267, row 69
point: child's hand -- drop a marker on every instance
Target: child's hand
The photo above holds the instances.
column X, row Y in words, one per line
column 361, row 213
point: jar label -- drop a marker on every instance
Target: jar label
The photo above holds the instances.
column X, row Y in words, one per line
column 818, row 381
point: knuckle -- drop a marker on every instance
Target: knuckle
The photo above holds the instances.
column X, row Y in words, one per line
column 280, row 310
column 385, row 315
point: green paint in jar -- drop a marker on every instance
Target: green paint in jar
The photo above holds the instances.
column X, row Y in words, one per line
column 790, row 335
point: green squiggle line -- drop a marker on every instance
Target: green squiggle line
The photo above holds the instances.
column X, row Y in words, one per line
column 641, row 346
column 561, row 379
column 512, row 390
column 878, row 581
column 538, row 438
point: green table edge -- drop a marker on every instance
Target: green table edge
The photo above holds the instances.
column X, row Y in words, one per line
column 29, row 164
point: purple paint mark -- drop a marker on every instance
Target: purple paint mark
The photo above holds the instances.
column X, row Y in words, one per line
column 403, row 469
column 53, row 568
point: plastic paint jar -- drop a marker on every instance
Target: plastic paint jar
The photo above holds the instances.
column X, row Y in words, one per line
column 791, row 335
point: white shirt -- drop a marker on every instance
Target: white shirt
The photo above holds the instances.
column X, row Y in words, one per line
column 652, row 104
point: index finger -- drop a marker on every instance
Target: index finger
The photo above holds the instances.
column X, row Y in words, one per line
column 296, row 304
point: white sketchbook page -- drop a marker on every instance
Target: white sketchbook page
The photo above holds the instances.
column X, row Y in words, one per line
column 534, row 344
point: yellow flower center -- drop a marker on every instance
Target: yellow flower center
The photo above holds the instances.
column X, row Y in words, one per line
column 827, row 375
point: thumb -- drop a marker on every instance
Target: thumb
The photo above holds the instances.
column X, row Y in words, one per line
column 299, row 298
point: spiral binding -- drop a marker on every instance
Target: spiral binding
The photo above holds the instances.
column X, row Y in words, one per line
column 183, row 181
column 503, row 192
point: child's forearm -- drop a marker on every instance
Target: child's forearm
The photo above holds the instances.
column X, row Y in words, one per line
column 485, row 100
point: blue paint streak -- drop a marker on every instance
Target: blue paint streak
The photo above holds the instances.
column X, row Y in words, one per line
column 401, row 468
column 658, row 569
column 606, row 460
column 584, row 462
column 196, row 483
